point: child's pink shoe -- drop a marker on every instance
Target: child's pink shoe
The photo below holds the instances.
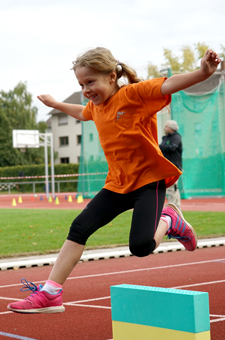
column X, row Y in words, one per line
column 39, row 301
column 180, row 229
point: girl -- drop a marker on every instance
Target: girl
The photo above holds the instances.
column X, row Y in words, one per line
column 125, row 117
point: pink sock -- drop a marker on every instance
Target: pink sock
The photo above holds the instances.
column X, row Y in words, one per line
column 52, row 287
column 166, row 219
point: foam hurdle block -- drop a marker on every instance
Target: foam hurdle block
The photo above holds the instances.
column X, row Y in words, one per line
column 140, row 312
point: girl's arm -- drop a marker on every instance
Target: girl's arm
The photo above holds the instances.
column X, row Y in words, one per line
column 209, row 64
column 73, row 110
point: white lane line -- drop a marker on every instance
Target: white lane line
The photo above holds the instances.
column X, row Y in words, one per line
column 199, row 284
column 89, row 300
column 90, row 306
column 217, row 320
column 6, row 298
column 14, row 336
column 128, row 271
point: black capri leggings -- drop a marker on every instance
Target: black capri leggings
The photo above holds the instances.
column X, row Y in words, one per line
column 147, row 203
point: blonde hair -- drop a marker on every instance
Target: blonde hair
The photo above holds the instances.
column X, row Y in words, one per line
column 101, row 60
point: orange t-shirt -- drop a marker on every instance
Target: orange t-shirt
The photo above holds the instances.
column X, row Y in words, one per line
column 127, row 127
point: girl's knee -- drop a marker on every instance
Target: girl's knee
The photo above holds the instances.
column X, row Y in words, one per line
column 142, row 249
column 76, row 234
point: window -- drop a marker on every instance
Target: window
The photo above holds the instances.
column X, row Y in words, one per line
column 78, row 139
column 63, row 120
column 63, row 141
column 91, row 137
column 64, row 160
column 77, row 121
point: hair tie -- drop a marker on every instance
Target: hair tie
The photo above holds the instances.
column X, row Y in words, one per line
column 119, row 62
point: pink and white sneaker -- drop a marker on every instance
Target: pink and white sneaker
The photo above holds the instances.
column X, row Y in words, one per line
column 39, row 301
column 180, row 229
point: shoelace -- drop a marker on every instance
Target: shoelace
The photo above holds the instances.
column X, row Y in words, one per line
column 28, row 286
column 182, row 238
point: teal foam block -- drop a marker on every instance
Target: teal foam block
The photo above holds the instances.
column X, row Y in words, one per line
column 176, row 309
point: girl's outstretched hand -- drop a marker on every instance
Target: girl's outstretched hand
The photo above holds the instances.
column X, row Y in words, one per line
column 209, row 62
column 47, row 100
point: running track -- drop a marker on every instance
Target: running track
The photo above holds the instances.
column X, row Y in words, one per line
column 87, row 293
column 41, row 202
column 87, row 290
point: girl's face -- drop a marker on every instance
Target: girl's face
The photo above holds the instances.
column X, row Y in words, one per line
column 96, row 86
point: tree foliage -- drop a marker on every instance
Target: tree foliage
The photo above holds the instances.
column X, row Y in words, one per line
column 222, row 53
column 17, row 112
column 187, row 60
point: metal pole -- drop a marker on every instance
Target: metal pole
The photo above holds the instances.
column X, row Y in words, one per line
column 82, row 158
column 52, row 166
column 82, row 148
column 46, row 167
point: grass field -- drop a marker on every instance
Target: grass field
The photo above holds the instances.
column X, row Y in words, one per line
column 43, row 231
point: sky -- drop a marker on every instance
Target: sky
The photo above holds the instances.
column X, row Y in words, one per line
column 41, row 38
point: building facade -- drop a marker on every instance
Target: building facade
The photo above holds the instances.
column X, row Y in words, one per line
column 67, row 133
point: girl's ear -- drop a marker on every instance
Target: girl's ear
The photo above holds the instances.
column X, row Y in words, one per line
column 112, row 77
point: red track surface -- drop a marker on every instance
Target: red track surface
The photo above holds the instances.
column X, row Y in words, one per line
column 41, row 202
column 87, row 291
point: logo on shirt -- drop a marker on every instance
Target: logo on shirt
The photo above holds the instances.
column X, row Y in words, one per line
column 119, row 115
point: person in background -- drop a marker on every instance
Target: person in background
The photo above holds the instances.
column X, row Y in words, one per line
column 171, row 148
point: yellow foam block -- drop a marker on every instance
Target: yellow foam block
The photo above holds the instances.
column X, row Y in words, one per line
column 130, row 331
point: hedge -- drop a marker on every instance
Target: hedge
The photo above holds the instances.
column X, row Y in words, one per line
column 39, row 170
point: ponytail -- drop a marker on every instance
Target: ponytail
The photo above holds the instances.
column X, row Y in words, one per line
column 128, row 72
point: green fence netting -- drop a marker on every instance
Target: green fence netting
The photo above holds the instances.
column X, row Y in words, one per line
column 93, row 167
column 201, row 120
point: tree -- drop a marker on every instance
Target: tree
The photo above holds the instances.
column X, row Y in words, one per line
column 17, row 112
column 222, row 53
column 186, row 62
column 153, row 71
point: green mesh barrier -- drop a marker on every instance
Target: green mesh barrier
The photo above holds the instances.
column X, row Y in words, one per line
column 93, row 166
column 201, row 121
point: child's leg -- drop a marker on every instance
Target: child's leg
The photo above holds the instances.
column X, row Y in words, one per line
column 104, row 207
column 148, row 205
column 67, row 259
column 160, row 232
column 179, row 228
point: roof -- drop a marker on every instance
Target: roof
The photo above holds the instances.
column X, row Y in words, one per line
column 205, row 86
column 49, row 122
